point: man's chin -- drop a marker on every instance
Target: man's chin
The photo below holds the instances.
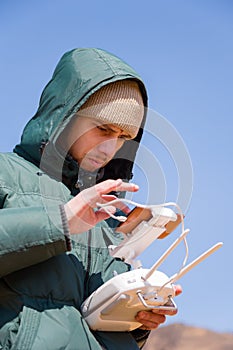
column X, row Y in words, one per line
column 91, row 167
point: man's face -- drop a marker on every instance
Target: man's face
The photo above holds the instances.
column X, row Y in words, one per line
column 93, row 144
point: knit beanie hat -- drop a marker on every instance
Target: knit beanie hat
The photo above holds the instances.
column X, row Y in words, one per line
column 119, row 103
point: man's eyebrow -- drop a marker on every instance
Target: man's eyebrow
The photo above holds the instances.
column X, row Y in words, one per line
column 125, row 134
column 111, row 128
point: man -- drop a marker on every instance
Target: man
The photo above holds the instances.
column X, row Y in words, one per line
column 77, row 150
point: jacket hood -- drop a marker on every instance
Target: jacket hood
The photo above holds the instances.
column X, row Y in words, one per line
column 78, row 74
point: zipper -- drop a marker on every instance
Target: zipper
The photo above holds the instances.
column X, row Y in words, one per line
column 88, row 260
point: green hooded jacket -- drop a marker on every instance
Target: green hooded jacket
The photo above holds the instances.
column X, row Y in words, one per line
column 44, row 280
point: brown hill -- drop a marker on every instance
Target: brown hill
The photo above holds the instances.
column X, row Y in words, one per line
column 182, row 337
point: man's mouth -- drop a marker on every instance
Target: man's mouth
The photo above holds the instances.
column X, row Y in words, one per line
column 97, row 162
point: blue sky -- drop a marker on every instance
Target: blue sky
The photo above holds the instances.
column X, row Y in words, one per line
column 183, row 50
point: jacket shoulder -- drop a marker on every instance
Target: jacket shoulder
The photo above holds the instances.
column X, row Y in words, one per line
column 12, row 166
column 23, row 183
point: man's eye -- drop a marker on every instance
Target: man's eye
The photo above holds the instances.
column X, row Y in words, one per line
column 101, row 128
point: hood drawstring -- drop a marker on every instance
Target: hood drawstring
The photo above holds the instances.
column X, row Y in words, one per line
column 42, row 146
column 87, row 179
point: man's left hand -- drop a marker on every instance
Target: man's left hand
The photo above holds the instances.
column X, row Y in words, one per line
column 152, row 319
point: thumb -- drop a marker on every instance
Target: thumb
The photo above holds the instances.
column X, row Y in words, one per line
column 178, row 289
column 103, row 214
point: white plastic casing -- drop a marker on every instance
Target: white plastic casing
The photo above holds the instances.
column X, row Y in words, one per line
column 143, row 235
column 114, row 305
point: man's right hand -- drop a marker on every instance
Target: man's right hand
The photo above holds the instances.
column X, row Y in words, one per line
column 81, row 210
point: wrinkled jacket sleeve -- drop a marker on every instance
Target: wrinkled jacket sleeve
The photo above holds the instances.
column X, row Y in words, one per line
column 140, row 336
column 28, row 236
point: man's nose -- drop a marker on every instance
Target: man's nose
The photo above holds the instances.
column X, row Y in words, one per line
column 108, row 147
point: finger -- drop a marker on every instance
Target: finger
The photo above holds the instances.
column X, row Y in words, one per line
column 105, row 198
column 115, row 185
column 109, row 209
column 94, row 194
column 150, row 321
column 178, row 289
column 119, row 204
column 128, row 186
column 108, row 197
column 101, row 214
column 107, row 186
column 165, row 312
column 148, row 316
